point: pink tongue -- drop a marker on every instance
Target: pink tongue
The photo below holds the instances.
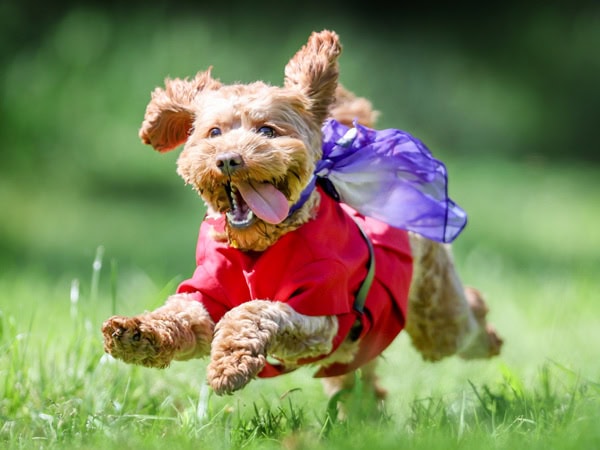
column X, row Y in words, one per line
column 265, row 201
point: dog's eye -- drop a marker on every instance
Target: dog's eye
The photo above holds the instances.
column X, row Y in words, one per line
column 267, row 131
column 214, row 132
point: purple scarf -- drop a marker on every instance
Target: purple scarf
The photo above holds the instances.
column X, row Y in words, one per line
column 388, row 175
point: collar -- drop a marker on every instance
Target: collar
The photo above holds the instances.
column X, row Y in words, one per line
column 315, row 181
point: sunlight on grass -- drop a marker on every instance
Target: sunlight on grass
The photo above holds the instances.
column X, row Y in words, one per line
column 59, row 387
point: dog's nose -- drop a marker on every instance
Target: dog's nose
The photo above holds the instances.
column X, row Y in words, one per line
column 229, row 162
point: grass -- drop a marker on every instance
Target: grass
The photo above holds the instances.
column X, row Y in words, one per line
column 58, row 389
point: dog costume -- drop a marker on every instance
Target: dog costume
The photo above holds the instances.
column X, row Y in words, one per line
column 354, row 265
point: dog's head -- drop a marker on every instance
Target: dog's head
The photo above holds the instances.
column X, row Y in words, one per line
column 251, row 149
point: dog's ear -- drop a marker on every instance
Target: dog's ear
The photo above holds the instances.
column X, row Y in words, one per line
column 169, row 115
column 314, row 71
column 347, row 108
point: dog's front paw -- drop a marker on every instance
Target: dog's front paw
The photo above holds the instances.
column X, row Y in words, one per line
column 137, row 341
column 233, row 369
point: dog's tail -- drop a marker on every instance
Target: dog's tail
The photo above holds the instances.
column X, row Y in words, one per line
column 347, row 107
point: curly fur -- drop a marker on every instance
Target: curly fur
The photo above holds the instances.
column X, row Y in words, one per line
column 212, row 120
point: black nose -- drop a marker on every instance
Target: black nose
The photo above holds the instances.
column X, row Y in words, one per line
column 229, row 162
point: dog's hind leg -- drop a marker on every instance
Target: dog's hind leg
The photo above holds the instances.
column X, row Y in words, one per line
column 445, row 318
column 369, row 382
column 359, row 389
column 180, row 329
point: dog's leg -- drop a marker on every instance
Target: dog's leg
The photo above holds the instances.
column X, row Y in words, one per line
column 443, row 317
column 246, row 333
column 371, row 393
column 181, row 329
column 369, row 378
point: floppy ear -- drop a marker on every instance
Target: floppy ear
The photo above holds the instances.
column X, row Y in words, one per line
column 314, row 71
column 169, row 115
column 347, row 108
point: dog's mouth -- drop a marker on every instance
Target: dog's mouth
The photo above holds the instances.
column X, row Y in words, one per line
column 250, row 200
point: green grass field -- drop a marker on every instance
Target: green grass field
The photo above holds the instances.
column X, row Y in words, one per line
column 533, row 251
column 92, row 223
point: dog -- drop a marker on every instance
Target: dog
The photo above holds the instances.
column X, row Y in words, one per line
column 287, row 274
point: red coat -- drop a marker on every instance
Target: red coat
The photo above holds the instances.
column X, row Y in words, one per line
column 316, row 269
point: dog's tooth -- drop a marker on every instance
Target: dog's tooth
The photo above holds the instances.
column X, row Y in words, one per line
column 240, row 223
column 234, row 196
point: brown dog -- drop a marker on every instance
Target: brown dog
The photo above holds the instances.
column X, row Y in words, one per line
column 282, row 267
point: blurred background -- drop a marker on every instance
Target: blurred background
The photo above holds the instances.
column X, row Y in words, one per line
column 507, row 94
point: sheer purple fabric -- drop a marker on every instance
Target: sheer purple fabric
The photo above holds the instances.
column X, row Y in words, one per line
column 391, row 176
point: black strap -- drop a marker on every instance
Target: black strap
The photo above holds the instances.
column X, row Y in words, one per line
column 361, row 296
